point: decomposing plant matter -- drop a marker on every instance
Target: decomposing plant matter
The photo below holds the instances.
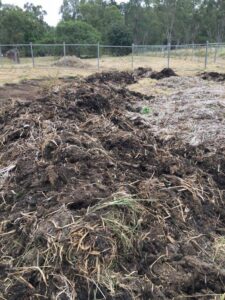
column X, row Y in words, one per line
column 96, row 206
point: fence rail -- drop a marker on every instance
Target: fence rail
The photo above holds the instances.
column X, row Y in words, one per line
column 98, row 56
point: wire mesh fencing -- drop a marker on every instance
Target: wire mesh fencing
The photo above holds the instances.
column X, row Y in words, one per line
column 146, row 56
column 109, row 57
column 115, row 57
column 15, row 56
column 46, row 55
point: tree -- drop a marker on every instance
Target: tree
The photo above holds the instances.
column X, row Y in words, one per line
column 101, row 16
column 93, row 13
column 37, row 11
column 134, row 19
column 78, row 32
column 166, row 12
column 212, row 20
column 98, row 13
column 18, row 26
column 70, row 9
column 48, row 37
column 146, row 21
column 119, row 35
column 163, row 21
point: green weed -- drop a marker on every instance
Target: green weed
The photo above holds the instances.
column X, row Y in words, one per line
column 146, row 110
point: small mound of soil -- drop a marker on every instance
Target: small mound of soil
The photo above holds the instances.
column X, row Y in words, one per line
column 142, row 72
column 125, row 78
column 215, row 76
column 165, row 73
column 149, row 73
column 114, row 77
column 71, row 62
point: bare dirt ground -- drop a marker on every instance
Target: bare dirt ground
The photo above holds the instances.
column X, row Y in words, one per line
column 26, row 90
column 16, row 75
column 108, row 193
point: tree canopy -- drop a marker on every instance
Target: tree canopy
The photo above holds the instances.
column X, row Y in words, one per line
column 106, row 21
column 78, row 32
column 21, row 25
column 154, row 21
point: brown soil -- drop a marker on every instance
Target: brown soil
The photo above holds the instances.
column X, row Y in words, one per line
column 213, row 76
column 113, row 77
column 95, row 205
column 165, row 73
column 27, row 90
column 125, row 77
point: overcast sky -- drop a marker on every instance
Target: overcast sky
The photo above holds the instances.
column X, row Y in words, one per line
column 51, row 6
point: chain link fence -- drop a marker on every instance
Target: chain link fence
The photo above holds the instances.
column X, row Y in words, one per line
column 108, row 57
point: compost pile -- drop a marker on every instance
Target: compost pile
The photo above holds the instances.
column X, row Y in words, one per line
column 71, row 62
column 149, row 73
column 127, row 77
column 94, row 206
column 215, row 76
column 115, row 77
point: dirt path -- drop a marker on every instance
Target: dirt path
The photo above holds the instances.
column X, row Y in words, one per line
column 25, row 91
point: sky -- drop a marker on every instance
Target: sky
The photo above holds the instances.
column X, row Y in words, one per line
column 50, row 6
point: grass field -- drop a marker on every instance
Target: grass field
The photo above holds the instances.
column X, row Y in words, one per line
column 44, row 66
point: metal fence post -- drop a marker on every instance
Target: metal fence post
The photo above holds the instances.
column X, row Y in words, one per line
column 206, row 54
column 98, row 56
column 32, row 53
column 215, row 55
column 132, row 57
column 15, row 55
column 168, row 55
column 175, row 51
column 193, row 51
column 1, row 55
column 64, row 49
